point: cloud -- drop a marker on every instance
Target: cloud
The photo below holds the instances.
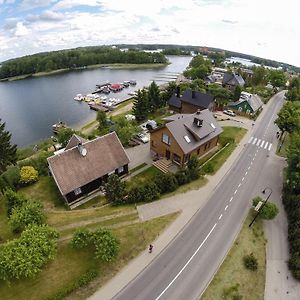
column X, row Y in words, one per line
column 155, row 29
column 66, row 4
column 229, row 21
column 31, row 4
column 48, row 16
column 21, row 30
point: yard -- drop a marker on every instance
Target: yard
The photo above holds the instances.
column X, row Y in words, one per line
column 233, row 279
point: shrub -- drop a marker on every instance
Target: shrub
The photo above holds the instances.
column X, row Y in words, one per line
column 24, row 257
column 81, row 238
column 181, row 177
column 107, row 245
column 193, row 168
column 13, row 200
column 11, row 177
column 269, row 211
column 28, row 175
column 151, row 192
column 208, row 168
column 30, row 212
column 136, row 194
column 115, row 189
column 250, row 262
column 39, row 162
column 166, row 182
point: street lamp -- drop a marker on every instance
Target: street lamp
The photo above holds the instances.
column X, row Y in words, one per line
column 264, row 203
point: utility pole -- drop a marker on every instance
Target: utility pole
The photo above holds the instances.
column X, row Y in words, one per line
column 264, row 192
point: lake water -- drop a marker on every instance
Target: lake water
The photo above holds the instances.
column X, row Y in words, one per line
column 30, row 107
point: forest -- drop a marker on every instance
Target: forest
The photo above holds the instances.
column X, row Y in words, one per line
column 76, row 58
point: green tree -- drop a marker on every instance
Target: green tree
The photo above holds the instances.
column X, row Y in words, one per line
column 28, row 175
column 107, row 245
column 101, row 118
column 259, row 76
column 141, row 105
column 30, row 212
column 13, row 200
column 250, row 262
column 193, row 166
column 237, row 93
column 166, row 182
column 269, row 211
column 64, row 135
column 277, row 78
column 115, row 189
column 168, row 92
column 82, row 237
column 8, row 151
column 154, row 97
column 289, row 117
column 293, row 93
column 24, row 257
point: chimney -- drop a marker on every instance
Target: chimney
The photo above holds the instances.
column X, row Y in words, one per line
column 82, row 150
column 178, row 91
column 198, row 112
column 198, row 122
column 193, row 94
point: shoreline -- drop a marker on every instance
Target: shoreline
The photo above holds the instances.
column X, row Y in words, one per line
column 97, row 66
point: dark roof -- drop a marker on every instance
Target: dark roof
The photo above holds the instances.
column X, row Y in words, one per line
column 71, row 169
column 175, row 101
column 233, row 79
column 201, row 99
column 183, row 125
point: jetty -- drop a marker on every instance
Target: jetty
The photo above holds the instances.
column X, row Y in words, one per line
column 98, row 107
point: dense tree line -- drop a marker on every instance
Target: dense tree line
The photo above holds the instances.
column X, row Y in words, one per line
column 75, row 58
column 293, row 93
column 288, row 121
column 175, row 51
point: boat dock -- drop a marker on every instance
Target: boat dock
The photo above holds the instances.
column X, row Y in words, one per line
column 98, row 107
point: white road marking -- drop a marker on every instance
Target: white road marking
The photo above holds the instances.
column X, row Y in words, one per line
column 231, row 199
column 262, row 144
column 258, row 142
column 243, row 178
column 239, row 184
column 254, row 141
column 226, row 207
column 246, row 173
column 220, row 216
column 266, row 145
column 250, row 140
column 270, row 146
column 187, row 263
column 235, row 191
column 249, row 168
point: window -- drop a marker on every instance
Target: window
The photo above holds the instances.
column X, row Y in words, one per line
column 166, row 139
column 176, row 158
column 120, row 170
column 240, row 108
column 77, row 191
column 187, row 139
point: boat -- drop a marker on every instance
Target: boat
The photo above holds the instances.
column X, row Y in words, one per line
column 132, row 93
column 58, row 126
column 132, row 82
column 126, row 83
column 78, row 97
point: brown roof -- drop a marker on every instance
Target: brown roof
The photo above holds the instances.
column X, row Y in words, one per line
column 71, row 169
column 74, row 140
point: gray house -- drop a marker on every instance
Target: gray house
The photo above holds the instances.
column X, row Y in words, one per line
column 231, row 80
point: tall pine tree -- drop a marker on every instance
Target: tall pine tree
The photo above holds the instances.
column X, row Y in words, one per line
column 8, row 152
column 154, row 97
column 141, row 105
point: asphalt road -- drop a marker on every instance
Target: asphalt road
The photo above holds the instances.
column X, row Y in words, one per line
column 186, row 266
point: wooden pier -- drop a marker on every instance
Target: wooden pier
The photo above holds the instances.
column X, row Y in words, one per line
column 98, row 107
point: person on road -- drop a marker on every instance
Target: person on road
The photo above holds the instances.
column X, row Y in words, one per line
column 150, row 248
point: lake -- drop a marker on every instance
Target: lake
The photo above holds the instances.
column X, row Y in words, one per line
column 30, row 106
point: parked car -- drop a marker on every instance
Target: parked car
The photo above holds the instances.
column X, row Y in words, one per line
column 229, row 112
column 142, row 137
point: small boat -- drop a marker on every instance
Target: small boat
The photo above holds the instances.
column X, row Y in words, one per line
column 58, row 126
column 132, row 82
column 78, row 97
column 126, row 83
column 132, row 94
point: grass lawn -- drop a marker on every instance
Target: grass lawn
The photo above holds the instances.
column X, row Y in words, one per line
column 145, row 176
column 46, row 191
column 137, row 168
column 233, row 278
column 284, row 148
column 71, row 263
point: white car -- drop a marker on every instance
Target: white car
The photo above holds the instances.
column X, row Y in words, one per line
column 142, row 137
column 229, row 113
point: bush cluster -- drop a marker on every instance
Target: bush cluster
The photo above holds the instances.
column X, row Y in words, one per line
column 28, row 175
column 250, row 262
column 106, row 245
column 10, row 178
column 22, row 211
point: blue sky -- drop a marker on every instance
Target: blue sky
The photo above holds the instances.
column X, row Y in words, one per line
column 265, row 28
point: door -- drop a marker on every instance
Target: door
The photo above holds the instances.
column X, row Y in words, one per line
column 168, row 154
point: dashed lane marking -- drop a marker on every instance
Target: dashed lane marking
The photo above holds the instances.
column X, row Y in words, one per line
column 243, row 178
column 231, row 199
column 221, row 215
column 235, row 191
column 226, row 207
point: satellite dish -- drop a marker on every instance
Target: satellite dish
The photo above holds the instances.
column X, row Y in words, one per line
column 83, row 152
